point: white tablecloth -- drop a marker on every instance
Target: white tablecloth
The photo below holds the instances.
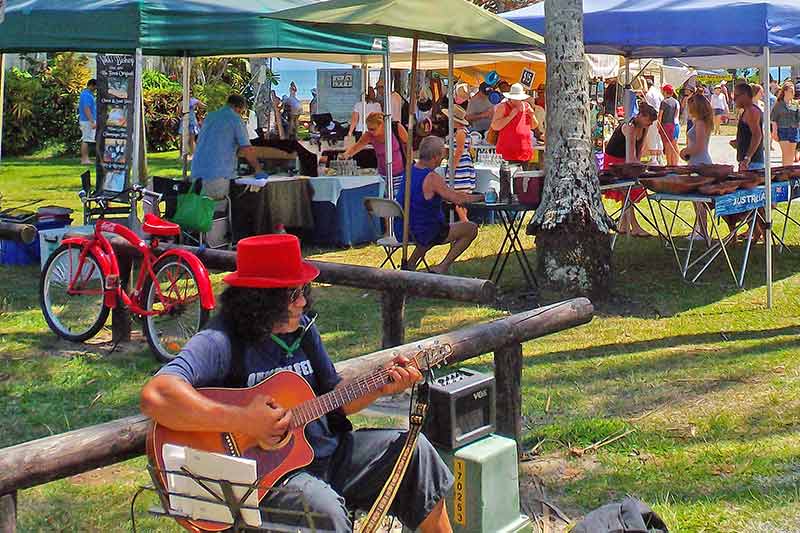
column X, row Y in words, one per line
column 329, row 188
column 326, row 188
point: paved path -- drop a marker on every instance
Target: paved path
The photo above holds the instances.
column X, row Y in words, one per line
column 722, row 153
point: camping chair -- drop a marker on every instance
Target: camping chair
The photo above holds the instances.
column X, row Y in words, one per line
column 387, row 209
column 93, row 202
column 221, row 224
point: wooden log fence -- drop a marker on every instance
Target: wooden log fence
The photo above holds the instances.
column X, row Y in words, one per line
column 395, row 285
column 50, row 458
column 24, row 233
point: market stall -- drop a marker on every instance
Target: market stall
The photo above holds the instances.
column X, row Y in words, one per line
column 754, row 28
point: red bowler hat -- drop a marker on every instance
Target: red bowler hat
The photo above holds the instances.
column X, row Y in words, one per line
column 270, row 262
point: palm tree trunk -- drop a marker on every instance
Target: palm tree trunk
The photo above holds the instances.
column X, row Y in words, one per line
column 571, row 225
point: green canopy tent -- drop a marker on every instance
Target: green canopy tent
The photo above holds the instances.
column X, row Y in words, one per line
column 459, row 23
column 187, row 28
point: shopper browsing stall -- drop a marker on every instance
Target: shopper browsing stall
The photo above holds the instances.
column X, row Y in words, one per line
column 667, row 115
column 514, row 120
column 697, row 153
column 786, row 123
column 464, row 173
column 625, row 146
column 361, row 110
column 719, row 102
column 375, row 136
column 480, row 110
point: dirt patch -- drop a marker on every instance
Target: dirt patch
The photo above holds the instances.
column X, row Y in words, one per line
column 541, row 495
column 102, row 476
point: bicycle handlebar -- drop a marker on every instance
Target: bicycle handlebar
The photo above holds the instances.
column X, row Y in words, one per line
column 139, row 191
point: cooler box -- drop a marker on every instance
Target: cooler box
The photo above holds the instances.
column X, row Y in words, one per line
column 50, row 239
column 528, row 187
column 17, row 253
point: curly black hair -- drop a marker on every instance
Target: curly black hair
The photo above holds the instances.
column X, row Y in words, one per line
column 251, row 314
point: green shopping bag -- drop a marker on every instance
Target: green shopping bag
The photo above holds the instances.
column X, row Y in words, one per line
column 195, row 212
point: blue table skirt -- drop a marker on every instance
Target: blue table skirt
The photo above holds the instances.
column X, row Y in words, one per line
column 346, row 223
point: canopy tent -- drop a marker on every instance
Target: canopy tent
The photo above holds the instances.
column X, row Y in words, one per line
column 690, row 28
column 738, row 61
column 432, row 54
column 464, row 24
column 695, row 28
column 167, row 28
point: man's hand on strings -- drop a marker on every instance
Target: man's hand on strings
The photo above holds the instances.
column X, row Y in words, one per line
column 403, row 375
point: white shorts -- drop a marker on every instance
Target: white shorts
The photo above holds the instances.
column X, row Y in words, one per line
column 88, row 133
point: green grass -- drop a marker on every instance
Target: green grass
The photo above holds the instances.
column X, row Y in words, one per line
column 705, row 376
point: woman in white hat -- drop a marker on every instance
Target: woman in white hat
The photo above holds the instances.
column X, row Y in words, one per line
column 514, row 120
column 464, row 174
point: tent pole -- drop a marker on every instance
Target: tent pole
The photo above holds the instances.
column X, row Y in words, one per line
column 451, row 93
column 412, row 108
column 767, row 175
column 364, row 89
column 387, row 120
column 133, row 219
column 2, row 97
column 185, row 121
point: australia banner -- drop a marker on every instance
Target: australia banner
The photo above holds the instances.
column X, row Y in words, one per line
column 749, row 199
column 116, row 87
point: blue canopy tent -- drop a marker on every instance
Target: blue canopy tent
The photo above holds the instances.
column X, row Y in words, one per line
column 690, row 28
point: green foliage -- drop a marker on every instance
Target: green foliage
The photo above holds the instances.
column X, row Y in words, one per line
column 41, row 106
column 163, row 111
column 213, row 94
column 154, row 79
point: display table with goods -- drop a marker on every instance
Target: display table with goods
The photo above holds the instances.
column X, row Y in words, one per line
column 621, row 183
column 329, row 209
column 739, row 198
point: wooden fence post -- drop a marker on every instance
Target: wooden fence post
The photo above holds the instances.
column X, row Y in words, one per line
column 120, row 317
column 508, row 377
column 8, row 513
column 393, row 309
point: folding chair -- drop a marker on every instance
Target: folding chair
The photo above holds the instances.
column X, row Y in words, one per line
column 92, row 208
column 386, row 209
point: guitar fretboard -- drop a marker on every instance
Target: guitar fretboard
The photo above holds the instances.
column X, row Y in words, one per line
column 341, row 396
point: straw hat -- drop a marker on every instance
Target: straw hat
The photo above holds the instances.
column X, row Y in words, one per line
column 459, row 115
column 517, row 92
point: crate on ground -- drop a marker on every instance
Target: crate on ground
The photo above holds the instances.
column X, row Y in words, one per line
column 50, row 239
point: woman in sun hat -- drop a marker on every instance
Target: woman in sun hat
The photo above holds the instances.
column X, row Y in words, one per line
column 514, row 119
column 464, row 174
column 262, row 329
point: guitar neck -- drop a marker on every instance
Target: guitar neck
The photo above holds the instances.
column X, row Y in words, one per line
column 339, row 397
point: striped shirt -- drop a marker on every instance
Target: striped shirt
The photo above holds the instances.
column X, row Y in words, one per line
column 465, row 178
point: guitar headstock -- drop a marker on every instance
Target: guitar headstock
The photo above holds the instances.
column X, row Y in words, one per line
column 433, row 355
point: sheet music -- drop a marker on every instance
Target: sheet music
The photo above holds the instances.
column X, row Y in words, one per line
column 215, row 466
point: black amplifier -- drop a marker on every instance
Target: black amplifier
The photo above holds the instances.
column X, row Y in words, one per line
column 462, row 409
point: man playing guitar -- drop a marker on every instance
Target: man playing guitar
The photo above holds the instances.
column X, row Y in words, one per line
column 260, row 330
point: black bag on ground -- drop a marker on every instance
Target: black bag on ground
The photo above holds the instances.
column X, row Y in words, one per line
column 630, row 516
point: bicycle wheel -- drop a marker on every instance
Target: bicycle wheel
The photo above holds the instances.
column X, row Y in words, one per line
column 77, row 314
column 174, row 297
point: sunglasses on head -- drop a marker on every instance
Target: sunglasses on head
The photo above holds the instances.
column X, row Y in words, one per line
column 298, row 291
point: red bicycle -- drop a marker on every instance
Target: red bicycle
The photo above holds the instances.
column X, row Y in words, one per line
column 80, row 283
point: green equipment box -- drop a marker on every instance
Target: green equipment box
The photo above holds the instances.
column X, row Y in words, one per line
column 485, row 495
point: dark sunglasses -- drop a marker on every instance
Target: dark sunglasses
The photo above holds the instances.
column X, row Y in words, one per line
column 298, row 291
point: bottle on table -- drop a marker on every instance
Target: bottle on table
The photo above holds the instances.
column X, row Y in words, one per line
column 505, row 183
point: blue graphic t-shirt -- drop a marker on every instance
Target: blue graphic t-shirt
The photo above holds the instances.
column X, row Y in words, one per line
column 205, row 361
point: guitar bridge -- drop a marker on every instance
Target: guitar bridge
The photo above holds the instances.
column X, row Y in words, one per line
column 230, row 445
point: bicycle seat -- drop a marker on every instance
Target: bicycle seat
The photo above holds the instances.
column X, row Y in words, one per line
column 154, row 225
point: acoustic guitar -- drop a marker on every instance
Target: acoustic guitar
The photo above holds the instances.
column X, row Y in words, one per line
column 290, row 391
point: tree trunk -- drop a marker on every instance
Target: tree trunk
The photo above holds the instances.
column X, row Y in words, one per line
column 571, row 226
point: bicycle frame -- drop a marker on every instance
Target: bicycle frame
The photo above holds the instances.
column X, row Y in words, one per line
column 113, row 290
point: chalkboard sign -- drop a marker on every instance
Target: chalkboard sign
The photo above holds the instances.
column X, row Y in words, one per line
column 527, row 77
column 116, row 85
column 342, row 81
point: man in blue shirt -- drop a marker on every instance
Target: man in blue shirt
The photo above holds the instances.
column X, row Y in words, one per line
column 87, row 118
column 262, row 329
column 223, row 138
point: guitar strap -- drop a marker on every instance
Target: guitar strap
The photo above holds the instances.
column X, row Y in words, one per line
column 389, row 490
